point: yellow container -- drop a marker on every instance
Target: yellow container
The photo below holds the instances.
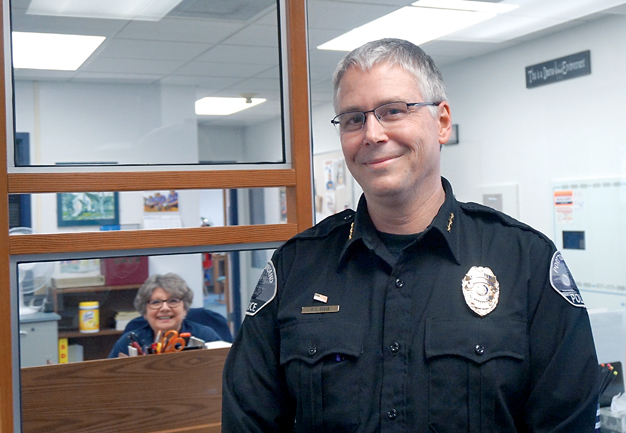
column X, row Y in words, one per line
column 88, row 317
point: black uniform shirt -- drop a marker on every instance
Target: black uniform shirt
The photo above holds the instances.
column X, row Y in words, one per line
column 405, row 352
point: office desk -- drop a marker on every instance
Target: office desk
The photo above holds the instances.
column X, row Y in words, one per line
column 172, row 392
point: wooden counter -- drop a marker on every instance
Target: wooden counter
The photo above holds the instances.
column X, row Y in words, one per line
column 168, row 393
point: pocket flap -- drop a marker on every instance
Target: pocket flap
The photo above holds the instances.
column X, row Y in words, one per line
column 478, row 340
column 312, row 340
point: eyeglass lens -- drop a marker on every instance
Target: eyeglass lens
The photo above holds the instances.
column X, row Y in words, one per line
column 157, row 303
column 386, row 114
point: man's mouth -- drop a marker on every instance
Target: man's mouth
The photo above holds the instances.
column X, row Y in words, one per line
column 380, row 161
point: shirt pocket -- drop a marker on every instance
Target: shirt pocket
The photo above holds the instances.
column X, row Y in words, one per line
column 320, row 358
column 472, row 365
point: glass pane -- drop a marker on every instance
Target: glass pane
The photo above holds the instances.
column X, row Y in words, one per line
column 90, row 303
column 136, row 210
column 136, row 96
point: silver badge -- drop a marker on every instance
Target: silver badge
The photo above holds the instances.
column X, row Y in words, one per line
column 481, row 290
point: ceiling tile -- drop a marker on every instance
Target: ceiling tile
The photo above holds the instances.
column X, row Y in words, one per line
column 108, row 77
column 325, row 14
column 219, row 69
column 180, row 30
column 255, row 35
column 241, row 53
column 155, row 50
column 209, row 83
column 132, row 66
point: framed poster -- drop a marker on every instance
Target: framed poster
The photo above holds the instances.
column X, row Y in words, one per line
column 87, row 209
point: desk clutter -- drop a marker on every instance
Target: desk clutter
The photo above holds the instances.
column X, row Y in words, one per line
column 168, row 342
column 612, row 400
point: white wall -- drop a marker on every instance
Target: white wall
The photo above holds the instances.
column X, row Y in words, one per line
column 264, row 142
column 220, row 143
column 531, row 137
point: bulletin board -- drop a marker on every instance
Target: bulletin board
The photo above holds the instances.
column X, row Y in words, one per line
column 334, row 185
column 590, row 229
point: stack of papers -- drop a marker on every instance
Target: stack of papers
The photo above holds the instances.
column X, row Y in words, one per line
column 123, row 317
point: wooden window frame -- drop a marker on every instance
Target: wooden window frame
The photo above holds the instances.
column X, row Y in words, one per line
column 296, row 179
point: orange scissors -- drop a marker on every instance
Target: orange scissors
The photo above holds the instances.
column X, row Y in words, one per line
column 171, row 342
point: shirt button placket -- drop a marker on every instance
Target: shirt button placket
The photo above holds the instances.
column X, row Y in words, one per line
column 399, row 283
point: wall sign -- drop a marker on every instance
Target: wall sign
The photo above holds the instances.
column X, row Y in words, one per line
column 564, row 68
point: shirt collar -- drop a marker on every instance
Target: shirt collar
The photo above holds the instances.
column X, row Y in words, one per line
column 445, row 226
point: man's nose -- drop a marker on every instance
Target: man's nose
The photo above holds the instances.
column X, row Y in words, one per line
column 374, row 130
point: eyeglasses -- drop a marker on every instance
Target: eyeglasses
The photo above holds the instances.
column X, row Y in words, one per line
column 387, row 114
column 155, row 304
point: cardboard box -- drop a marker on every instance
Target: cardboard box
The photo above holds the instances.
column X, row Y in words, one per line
column 122, row 271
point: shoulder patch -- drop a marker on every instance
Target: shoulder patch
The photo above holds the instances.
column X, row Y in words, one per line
column 562, row 281
column 264, row 291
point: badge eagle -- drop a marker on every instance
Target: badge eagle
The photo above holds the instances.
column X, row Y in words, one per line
column 481, row 290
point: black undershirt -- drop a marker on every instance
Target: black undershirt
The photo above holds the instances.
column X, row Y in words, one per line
column 396, row 243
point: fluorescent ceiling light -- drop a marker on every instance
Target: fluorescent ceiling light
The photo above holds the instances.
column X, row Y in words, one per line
column 215, row 106
column 144, row 10
column 52, row 51
column 424, row 21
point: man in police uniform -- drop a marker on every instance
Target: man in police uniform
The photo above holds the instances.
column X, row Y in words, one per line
column 416, row 313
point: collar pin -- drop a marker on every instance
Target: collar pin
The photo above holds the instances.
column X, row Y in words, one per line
column 450, row 221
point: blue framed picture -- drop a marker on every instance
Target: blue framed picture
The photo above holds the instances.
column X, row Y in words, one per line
column 87, row 209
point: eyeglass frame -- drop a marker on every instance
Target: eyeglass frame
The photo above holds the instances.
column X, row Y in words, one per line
column 151, row 304
column 336, row 123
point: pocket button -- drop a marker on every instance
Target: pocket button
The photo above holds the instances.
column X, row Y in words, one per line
column 395, row 347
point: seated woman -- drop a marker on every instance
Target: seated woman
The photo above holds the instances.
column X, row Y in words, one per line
column 163, row 300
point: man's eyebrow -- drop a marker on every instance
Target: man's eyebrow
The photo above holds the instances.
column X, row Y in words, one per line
column 350, row 110
column 354, row 108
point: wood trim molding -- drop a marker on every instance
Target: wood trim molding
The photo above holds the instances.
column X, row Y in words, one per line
column 299, row 114
column 55, row 243
column 6, row 362
column 30, row 183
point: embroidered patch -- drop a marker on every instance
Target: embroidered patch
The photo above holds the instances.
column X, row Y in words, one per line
column 264, row 291
column 562, row 281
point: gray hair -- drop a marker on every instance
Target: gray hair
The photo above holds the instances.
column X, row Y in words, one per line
column 171, row 283
column 396, row 52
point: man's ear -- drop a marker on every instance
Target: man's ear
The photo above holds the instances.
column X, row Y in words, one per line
column 445, row 122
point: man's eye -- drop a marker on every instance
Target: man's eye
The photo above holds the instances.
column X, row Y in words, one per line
column 391, row 112
column 354, row 120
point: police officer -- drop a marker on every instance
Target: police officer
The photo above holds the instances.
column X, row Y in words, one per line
column 416, row 313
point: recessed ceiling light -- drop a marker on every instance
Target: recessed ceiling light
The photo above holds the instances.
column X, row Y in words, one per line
column 52, row 51
column 144, row 10
column 217, row 106
column 424, row 21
